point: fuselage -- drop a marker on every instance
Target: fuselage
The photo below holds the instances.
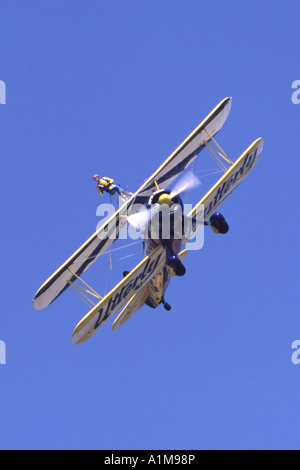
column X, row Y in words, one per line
column 163, row 229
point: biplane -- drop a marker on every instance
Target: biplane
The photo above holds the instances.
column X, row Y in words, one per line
column 164, row 254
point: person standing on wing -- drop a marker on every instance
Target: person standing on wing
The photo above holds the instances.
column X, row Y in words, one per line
column 107, row 185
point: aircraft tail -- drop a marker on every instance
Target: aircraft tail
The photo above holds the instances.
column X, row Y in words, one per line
column 134, row 304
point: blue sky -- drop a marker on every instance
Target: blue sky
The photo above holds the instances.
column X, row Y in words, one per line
column 113, row 88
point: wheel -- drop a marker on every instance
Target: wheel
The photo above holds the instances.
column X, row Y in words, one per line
column 175, row 263
column 218, row 223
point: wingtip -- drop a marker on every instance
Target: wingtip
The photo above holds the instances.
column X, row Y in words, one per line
column 38, row 303
column 35, row 304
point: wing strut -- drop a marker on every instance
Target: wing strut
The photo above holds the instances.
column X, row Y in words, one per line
column 79, row 289
column 221, row 153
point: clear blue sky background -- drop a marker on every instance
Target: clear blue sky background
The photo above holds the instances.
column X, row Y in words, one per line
column 114, row 88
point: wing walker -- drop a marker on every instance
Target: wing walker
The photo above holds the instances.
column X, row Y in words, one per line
column 152, row 208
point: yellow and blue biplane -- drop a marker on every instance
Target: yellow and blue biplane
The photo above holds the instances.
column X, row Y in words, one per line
column 164, row 253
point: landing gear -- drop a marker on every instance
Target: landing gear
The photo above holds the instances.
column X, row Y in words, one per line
column 172, row 259
column 175, row 263
column 166, row 305
column 218, row 223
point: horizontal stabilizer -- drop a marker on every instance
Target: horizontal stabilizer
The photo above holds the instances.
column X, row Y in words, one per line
column 121, row 294
column 136, row 302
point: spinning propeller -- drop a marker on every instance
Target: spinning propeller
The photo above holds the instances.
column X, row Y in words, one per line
column 186, row 183
column 140, row 219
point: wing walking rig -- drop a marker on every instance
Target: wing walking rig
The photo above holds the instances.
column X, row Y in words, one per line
column 148, row 281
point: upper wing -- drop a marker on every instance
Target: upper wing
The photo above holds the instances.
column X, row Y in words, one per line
column 186, row 152
column 101, row 240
